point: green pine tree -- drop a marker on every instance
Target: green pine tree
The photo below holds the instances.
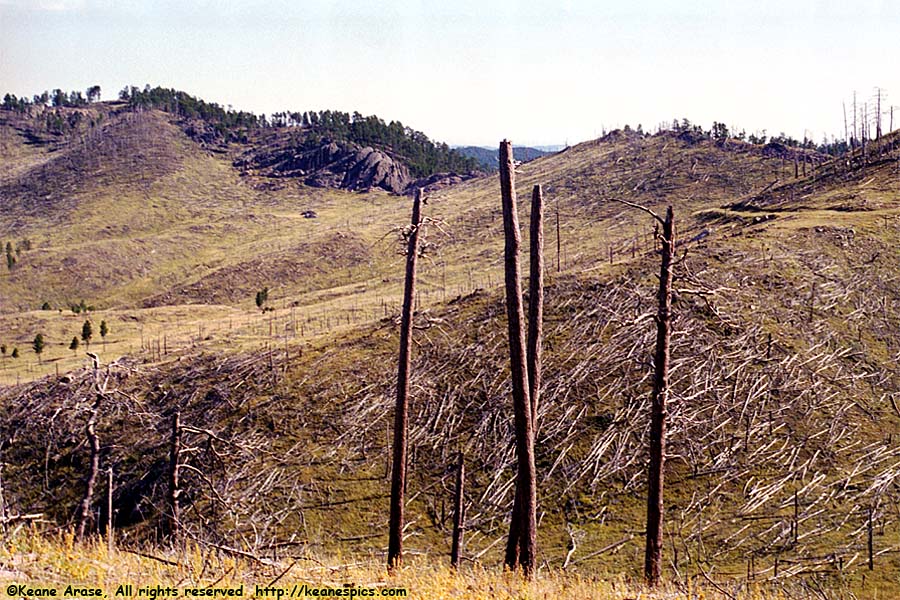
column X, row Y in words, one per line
column 262, row 297
column 10, row 256
column 38, row 345
column 87, row 332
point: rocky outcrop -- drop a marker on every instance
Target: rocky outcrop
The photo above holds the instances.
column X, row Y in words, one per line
column 372, row 168
column 328, row 164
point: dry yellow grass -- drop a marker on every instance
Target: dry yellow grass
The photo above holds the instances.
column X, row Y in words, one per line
column 57, row 561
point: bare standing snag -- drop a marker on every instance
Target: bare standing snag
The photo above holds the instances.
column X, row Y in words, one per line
column 535, row 300
column 533, row 352
column 173, row 496
column 658, row 415
column 525, row 478
column 398, row 475
column 84, row 509
column 656, row 476
column 459, row 512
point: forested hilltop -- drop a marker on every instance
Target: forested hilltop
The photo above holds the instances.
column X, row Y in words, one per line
column 421, row 155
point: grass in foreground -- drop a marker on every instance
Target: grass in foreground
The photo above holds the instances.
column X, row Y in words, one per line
column 57, row 561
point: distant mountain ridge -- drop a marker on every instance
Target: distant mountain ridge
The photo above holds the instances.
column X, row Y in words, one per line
column 489, row 159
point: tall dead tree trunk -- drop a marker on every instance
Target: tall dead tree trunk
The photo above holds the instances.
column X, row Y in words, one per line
column 398, row 472
column 878, row 119
column 525, row 474
column 846, row 134
column 173, row 526
column 865, row 131
column 459, row 512
column 535, row 300
column 655, row 509
column 533, row 350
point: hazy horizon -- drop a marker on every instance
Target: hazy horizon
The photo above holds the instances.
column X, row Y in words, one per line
column 474, row 73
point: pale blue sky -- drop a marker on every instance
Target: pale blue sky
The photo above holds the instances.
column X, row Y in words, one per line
column 475, row 71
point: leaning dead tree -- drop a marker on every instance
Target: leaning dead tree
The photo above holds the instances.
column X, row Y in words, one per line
column 526, row 486
column 533, row 350
column 398, row 472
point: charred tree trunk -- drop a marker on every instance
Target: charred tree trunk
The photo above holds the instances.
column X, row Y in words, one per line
column 398, row 472
column 655, row 509
column 173, row 526
column 525, row 474
column 533, row 350
column 459, row 513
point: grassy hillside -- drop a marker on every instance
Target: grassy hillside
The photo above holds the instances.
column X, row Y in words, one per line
column 784, row 411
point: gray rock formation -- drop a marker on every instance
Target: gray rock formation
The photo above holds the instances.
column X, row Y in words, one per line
column 328, row 164
column 372, row 168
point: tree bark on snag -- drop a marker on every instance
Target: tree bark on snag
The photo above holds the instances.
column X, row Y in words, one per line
column 459, row 513
column 398, row 472
column 84, row 509
column 535, row 301
column 525, row 474
column 655, row 509
column 110, row 542
column 533, row 350
column 173, row 524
